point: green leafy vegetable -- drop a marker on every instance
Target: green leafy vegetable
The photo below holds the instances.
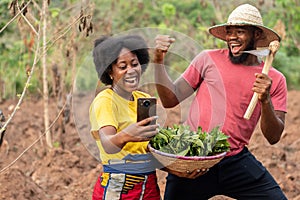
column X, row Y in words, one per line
column 180, row 140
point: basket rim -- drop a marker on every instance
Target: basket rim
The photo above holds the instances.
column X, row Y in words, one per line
column 217, row 156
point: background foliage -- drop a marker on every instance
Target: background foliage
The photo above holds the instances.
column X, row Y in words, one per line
column 191, row 17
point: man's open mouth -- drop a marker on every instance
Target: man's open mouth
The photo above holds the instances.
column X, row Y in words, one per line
column 235, row 48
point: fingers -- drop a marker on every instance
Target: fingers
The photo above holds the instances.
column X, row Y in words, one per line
column 164, row 39
column 148, row 130
column 196, row 173
column 262, row 83
column 163, row 42
column 148, row 120
column 188, row 174
column 146, row 134
column 262, row 87
column 262, row 78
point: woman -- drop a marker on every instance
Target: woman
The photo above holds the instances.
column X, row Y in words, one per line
column 129, row 171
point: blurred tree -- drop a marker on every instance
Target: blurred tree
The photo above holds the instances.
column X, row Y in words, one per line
column 190, row 17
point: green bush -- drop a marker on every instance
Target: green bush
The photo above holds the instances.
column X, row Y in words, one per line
column 190, row 17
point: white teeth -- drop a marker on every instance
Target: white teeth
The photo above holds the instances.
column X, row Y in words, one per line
column 235, row 48
column 131, row 80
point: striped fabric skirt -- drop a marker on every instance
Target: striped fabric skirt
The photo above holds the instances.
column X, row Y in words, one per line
column 126, row 187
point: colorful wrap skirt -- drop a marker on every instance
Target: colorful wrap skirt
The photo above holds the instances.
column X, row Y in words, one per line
column 133, row 178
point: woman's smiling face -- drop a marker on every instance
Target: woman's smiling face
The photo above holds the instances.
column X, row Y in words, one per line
column 126, row 74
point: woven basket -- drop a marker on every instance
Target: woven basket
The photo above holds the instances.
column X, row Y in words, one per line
column 185, row 163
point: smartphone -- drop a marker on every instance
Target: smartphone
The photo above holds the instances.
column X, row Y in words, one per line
column 146, row 107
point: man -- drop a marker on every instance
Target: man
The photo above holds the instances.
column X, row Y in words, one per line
column 224, row 81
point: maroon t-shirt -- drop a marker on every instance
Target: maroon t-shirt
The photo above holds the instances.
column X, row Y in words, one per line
column 224, row 91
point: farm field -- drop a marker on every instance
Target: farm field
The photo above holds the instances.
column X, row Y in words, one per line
column 69, row 170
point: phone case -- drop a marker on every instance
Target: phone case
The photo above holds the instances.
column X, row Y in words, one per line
column 146, row 107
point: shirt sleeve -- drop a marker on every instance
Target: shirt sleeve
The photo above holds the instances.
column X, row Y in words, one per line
column 279, row 95
column 102, row 113
column 194, row 74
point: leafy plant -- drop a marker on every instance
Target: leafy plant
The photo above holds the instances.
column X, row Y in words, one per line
column 190, row 17
column 168, row 10
column 180, row 140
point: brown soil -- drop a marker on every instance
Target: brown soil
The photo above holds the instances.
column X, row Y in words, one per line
column 69, row 170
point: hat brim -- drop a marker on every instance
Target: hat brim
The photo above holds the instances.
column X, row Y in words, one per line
column 269, row 35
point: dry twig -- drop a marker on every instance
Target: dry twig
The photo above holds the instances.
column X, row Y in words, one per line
column 10, row 21
column 30, row 146
column 26, row 20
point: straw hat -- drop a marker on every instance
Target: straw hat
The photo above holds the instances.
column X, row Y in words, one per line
column 246, row 15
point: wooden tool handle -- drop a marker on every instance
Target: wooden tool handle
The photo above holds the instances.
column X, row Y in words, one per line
column 274, row 46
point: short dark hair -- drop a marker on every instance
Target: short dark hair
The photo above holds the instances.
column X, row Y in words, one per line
column 107, row 49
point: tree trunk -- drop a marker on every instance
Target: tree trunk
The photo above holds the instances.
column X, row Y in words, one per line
column 45, row 82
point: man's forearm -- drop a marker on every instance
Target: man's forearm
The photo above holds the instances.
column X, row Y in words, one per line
column 165, row 87
column 272, row 122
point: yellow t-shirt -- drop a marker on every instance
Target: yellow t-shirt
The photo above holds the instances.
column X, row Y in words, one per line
column 110, row 109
